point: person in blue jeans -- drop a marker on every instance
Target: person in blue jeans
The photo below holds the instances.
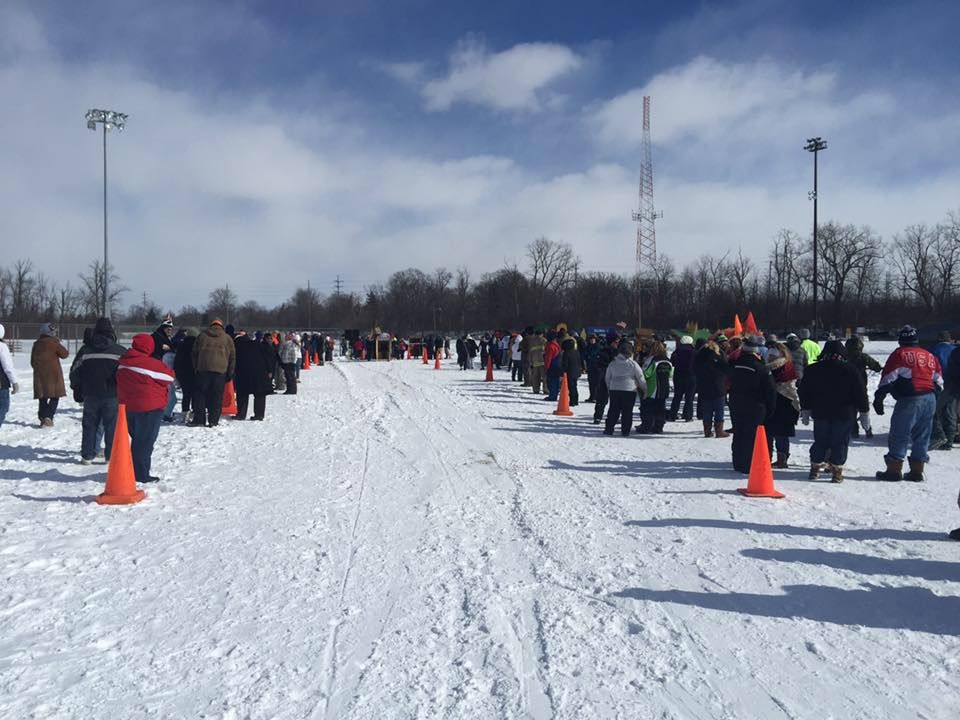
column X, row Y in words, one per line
column 8, row 377
column 93, row 379
column 913, row 376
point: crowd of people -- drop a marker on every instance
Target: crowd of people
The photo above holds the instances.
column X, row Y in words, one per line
column 760, row 380
column 145, row 378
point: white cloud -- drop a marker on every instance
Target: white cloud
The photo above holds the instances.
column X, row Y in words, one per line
column 405, row 72
column 508, row 80
column 707, row 101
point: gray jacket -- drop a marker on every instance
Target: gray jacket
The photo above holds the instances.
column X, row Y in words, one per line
column 624, row 374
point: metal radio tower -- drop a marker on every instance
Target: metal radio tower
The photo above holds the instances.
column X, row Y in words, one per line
column 645, row 216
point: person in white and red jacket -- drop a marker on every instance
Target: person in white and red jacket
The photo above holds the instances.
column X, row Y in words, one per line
column 913, row 376
column 142, row 386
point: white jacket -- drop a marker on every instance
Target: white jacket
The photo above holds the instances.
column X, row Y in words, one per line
column 515, row 351
column 625, row 375
column 6, row 364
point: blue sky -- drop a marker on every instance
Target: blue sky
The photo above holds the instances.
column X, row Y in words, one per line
column 271, row 143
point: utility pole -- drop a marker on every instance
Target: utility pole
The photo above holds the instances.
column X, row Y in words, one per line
column 144, row 307
column 338, row 284
column 815, row 145
column 645, row 215
column 309, row 306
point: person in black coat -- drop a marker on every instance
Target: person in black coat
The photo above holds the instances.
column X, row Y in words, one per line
column 711, row 371
column 684, row 379
column 605, row 356
column 570, row 366
column 162, row 339
column 251, row 376
column 270, row 358
column 753, row 398
column 183, row 368
column 832, row 393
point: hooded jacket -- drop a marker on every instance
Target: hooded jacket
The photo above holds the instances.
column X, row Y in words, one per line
column 711, row 370
column 832, row 390
column 214, row 351
column 570, row 360
column 142, row 380
column 753, row 396
column 47, row 373
column 94, row 371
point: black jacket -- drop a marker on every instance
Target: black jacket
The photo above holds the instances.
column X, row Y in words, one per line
column 605, row 356
column 94, row 371
column 160, row 340
column 753, row 395
column 832, row 390
column 570, row 360
column 711, row 371
column 251, row 372
column 951, row 373
column 183, row 362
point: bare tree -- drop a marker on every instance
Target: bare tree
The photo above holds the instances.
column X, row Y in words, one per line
column 91, row 290
column 846, row 253
column 223, row 301
column 463, row 293
column 741, row 272
column 552, row 267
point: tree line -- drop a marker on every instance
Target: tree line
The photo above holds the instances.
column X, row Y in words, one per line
column 862, row 280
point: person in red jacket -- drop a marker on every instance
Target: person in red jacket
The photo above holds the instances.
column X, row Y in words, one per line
column 142, row 386
column 552, row 363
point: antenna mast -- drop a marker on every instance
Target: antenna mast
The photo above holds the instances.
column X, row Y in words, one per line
column 645, row 216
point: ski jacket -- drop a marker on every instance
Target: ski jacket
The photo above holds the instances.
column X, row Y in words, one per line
column 799, row 357
column 942, row 351
column 910, row 371
column 94, row 371
column 570, row 360
column 657, row 372
column 832, row 390
column 951, row 373
column 550, row 353
column 289, row 352
column 624, row 375
column 142, row 380
column 515, row 348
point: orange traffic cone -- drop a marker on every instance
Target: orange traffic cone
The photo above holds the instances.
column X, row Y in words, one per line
column 121, row 482
column 760, row 482
column 423, row 352
column 751, row 325
column 489, row 377
column 306, row 362
column 229, row 404
column 563, row 402
column 436, row 361
column 737, row 327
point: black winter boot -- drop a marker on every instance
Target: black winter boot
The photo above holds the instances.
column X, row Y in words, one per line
column 916, row 471
column 894, row 471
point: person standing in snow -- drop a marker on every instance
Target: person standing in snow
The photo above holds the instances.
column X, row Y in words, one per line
column 684, row 380
column 289, row 357
column 48, row 385
column 93, row 376
column 797, row 354
column 861, row 362
column 753, row 398
column 945, row 422
column 913, row 376
column 551, row 361
column 711, row 370
column 535, row 354
column 252, row 376
column 183, row 369
column 163, row 338
column 605, row 356
column 782, row 424
column 570, row 367
column 832, row 393
column 657, row 372
column 214, row 357
column 590, row 354
column 8, row 377
column 142, row 383
column 516, row 359
column 623, row 379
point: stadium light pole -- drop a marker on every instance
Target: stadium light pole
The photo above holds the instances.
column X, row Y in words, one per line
column 815, row 145
column 109, row 119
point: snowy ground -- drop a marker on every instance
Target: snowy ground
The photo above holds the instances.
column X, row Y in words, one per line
column 396, row 542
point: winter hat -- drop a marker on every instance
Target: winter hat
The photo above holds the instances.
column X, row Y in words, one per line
column 908, row 335
column 216, row 321
column 626, row 348
column 751, row 345
column 551, row 335
column 167, row 322
column 805, row 334
column 721, row 338
column 229, row 329
column 258, row 335
column 2, row 332
column 48, row 329
column 834, row 348
column 104, row 327
column 193, row 332
column 686, row 340
column 772, row 338
column 612, row 337
column 854, row 343
column 144, row 343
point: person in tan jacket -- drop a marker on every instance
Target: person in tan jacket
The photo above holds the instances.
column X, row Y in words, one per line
column 214, row 358
column 48, row 385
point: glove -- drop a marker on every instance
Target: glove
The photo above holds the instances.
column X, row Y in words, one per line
column 805, row 417
column 864, row 420
column 15, row 388
column 878, row 405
